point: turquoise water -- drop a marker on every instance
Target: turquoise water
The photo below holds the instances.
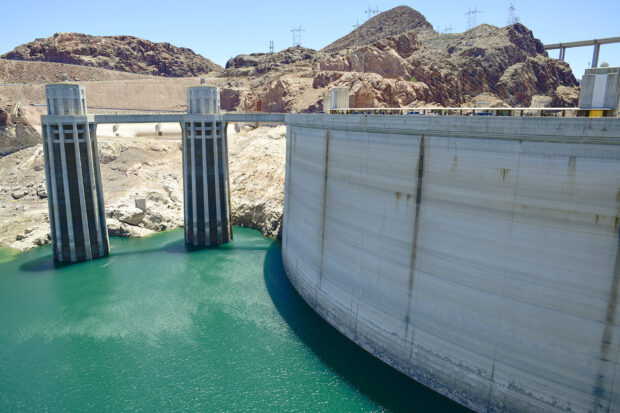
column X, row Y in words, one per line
column 157, row 327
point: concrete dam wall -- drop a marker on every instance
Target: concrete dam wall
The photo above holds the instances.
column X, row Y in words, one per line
column 478, row 255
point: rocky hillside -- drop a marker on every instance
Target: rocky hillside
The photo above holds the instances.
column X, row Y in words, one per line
column 20, row 71
column 451, row 70
column 122, row 53
column 396, row 59
column 261, row 63
column 392, row 22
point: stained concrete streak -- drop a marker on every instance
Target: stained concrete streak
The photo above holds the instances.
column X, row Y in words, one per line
column 414, row 243
column 607, row 339
column 324, row 203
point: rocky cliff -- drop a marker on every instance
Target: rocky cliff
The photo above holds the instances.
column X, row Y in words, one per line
column 122, row 53
column 392, row 22
column 16, row 132
column 450, row 70
column 396, row 59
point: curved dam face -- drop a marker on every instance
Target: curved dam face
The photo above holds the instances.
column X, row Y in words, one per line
column 477, row 255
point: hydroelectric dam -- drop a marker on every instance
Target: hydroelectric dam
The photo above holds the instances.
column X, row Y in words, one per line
column 477, row 255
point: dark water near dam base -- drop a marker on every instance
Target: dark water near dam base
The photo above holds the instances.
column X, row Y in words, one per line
column 158, row 327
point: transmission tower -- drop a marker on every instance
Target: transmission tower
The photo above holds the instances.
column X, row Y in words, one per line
column 471, row 17
column 512, row 15
column 447, row 29
column 270, row 46
column 297, row 35
column 372, row 12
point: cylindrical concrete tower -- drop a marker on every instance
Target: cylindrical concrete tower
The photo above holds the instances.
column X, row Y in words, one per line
column 327, row 103
column 340, row 98
column 203, row 100
column 75, row 196
column 205, row 170
column 65, row 99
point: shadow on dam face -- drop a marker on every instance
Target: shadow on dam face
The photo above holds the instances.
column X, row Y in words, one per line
column 386, row 386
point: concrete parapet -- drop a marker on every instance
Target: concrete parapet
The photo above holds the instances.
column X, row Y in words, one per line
column 480, row 256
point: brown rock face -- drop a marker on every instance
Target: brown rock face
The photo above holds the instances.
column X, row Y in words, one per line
column 392, row 22
column 15, row 130
column 280, row 96
column 122, row 53
column 260, row 63
column 508, row 63
column 369, row 90
column 232, row 99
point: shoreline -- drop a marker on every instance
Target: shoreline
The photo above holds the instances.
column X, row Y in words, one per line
column 8, row 254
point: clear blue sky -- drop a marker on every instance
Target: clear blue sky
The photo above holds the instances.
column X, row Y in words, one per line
column 222, row 29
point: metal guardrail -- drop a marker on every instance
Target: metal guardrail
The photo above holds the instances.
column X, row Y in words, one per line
column 556, row 112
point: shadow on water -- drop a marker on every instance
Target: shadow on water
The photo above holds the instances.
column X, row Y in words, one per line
column 41, row 264
column 180, row 247
column 384, row 385
column 47, row 262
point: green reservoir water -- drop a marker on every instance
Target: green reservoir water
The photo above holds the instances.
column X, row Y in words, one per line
column 157, row 327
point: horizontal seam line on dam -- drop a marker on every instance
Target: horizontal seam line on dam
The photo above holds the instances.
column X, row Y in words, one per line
column 517, row 136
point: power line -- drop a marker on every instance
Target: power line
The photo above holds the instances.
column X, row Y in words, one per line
column 270, row 46
column 447, row 29
column 297, row 35
column 471, row 17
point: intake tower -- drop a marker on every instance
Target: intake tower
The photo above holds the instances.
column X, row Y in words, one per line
column 76, row 209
